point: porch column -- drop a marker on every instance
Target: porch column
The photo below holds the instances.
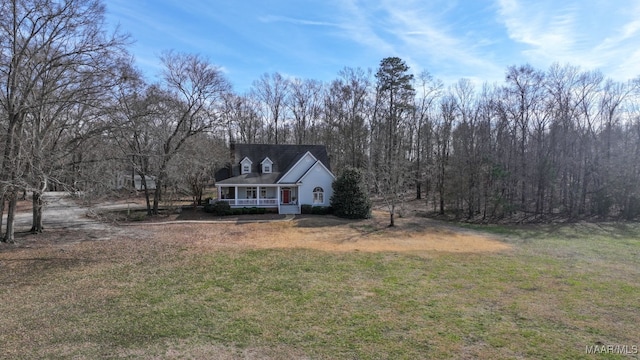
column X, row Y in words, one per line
column 257, row 195
column 278, row 197
column 235, row 196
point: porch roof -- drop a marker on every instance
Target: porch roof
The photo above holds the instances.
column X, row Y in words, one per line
column 251, row 179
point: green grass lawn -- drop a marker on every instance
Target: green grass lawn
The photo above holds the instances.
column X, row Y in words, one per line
column 559, row 290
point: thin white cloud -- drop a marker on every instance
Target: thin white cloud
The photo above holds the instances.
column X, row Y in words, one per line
column 420, row 33
column 275, row 18
column 547, row 27
column 573, row 32
column 628, row 31
column 358, row 25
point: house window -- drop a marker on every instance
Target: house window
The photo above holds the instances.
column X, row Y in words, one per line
column 263, row 193
column 251, row 193
column 245, row 166
column 267, row 165
column 318, row 195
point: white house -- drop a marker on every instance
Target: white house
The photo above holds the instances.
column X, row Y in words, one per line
column 276, row 176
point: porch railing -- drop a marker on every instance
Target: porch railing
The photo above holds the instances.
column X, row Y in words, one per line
column 251, row 202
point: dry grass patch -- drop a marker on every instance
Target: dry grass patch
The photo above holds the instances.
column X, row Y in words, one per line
column 328, row 233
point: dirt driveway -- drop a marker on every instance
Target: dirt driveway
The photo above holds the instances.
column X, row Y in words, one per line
column 67, row 222
column 60, row 212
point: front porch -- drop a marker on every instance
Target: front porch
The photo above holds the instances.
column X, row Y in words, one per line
column 284, row 198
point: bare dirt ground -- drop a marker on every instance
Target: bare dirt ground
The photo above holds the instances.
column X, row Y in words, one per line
column 67, row 222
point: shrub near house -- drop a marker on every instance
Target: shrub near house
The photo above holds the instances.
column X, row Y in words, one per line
column 222, row 208
column 350, row 198
column 219, row 208
column 315, row 210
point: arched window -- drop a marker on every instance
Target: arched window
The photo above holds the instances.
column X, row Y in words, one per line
column 318, row 195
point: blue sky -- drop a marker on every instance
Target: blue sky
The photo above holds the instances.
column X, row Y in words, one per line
column 450, row 39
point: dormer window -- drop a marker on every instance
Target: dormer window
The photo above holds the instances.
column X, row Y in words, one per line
column 267, row 166
column 245, row 166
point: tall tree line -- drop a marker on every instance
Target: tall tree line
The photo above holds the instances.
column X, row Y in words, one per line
column 557, row 142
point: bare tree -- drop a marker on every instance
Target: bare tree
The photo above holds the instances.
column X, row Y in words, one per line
column 51, row 52
column 448, row 113
column 241, row 119
column 524, row 95
column 132, row 127
column 190, row 101
column 303, row 101
column 347, row 110
column 428, row 91
column 465, row 147
column 191, row 170
column 272, row 91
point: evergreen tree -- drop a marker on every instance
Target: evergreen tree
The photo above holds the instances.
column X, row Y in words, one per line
column 394, row 98
column 350, row 198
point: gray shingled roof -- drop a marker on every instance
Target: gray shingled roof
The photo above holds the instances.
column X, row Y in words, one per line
column 283, row 157
column 252, row 179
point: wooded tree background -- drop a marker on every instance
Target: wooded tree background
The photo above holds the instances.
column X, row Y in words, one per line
column 76, row 115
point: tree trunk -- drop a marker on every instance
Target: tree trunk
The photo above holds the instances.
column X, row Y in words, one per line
column 9, row 236
column 1, row 214
column 156, row 200
column 148, row 200
column 143, row 181
column 36, row 227
column 5, row 175
column 11, row 156
column 199, row 193
column 418, row 163
column 156, row 197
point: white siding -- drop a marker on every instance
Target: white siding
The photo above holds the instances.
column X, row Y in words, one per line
column 318, row 176
column 299, row 169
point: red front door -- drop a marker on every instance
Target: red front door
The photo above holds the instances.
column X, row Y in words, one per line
column 286, row 196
